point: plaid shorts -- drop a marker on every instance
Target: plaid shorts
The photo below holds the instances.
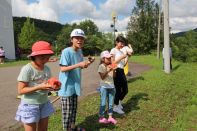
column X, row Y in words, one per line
column 69, row 110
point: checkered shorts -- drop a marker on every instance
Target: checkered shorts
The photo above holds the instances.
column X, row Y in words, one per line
column 69, row 110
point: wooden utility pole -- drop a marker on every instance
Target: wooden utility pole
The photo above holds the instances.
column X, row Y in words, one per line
column 166, row 37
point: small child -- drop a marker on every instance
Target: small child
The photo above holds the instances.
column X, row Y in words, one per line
column 107, row 89
column 35, row 107
column 127, row 50
column 2, row 55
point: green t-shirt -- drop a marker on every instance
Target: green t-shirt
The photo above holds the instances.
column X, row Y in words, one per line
column 34, row 77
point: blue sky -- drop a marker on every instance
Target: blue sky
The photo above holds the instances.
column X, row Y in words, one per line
column 183, row 13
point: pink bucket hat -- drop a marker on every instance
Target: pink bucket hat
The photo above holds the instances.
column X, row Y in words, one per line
column 105, row 54
column 41, row 48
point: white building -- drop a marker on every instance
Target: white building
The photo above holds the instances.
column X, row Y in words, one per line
column 6, row 29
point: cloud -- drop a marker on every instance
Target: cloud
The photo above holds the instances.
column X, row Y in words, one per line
column 77, row 7
column 183, row 15
column 43, row 9
column 182, row 12
column 121, row 7
column 183, row 24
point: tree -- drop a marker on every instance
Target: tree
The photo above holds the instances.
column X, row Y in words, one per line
column 142, row 27
column 93, row 42
column 89, row 27
column 63, row 39
column 184, row 48
column 27, row 36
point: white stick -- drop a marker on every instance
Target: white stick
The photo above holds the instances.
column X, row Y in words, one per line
column 57, row 98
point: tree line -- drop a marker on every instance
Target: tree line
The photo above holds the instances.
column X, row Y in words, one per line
column 28, row 30
column 141, row 33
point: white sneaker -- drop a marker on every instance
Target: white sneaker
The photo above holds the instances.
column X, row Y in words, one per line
column 120, row 105
column 118, row 110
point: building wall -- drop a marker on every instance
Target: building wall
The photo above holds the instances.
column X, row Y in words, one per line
column 6, row 29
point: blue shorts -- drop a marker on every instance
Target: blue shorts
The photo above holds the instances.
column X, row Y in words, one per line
column 32, row 113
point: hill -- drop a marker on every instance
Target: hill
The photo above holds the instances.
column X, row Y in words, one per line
column 46, row 26
column 179, row 34
column 51, row 29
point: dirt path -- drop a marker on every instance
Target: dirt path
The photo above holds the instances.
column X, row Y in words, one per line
column 8, row 90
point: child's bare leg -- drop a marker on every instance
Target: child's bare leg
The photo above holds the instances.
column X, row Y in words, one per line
column 30, row 127
column 72, row 125
column 43, row 124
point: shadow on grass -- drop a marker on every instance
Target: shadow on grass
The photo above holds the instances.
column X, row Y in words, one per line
column 176, row 67
column 132, row 103
column 133, row 79
column 91, row 124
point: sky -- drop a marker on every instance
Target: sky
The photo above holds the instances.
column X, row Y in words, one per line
column 183, row 13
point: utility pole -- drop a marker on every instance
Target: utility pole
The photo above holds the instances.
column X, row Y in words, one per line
column 166, row 37
column 114, row 27
column 159, row 31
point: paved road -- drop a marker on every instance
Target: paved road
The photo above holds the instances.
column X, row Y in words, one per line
column 8, row 88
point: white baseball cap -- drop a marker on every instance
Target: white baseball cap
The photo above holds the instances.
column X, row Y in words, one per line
column 77, row 32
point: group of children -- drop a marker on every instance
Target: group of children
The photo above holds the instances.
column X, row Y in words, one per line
column 33, row 83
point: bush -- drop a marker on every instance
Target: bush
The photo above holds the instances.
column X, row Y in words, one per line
column 185, row 48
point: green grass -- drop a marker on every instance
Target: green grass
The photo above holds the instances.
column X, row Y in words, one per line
column 14, row 63
column 156, row 101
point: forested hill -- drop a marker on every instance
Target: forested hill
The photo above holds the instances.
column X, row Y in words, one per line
column 52, row 28
column 182, row 33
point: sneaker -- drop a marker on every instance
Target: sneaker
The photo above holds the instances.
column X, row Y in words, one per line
column 112, row 120
column 120, row 105
column 118, row 110
column 103, row 120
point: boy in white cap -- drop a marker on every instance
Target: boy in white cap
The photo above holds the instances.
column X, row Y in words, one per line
column 71, row 63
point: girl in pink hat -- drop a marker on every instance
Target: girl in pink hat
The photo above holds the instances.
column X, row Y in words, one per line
column 35, row 107
column 107, row 88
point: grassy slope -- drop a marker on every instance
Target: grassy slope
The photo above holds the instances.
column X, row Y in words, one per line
column 156, row 101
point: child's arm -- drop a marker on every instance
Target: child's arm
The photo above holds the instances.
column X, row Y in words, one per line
column 119, row 59
column 24, row 89
column 103, row 75
column 83, row 64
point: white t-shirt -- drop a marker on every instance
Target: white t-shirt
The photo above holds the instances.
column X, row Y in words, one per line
column 108, row 81
column 2, row 52
column 117, row 54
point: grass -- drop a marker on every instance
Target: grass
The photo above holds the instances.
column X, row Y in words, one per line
column 156, row 101
column 14, row 63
